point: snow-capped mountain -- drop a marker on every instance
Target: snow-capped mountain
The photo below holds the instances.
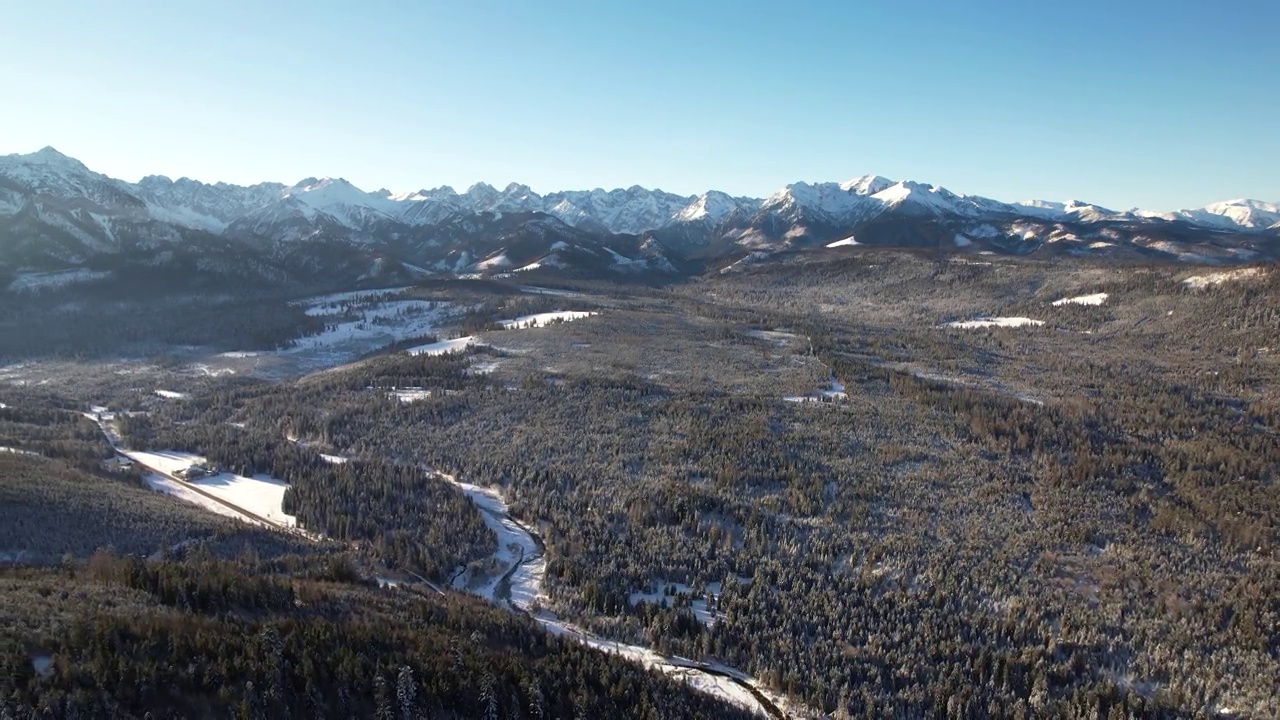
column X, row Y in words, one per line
column 1071, row 211
column 56, row 213
column 1228, row 214
column 191, row 203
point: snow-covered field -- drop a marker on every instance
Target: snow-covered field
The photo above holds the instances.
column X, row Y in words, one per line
column 410, row 394
column 543, row 319
column 170, row 394
column 260, row 494
column 1094, row 299
column 186, row 494
column 356, row 323
column 995, row 322
column 1200, row 282
column 521, row 323
column 444, row 346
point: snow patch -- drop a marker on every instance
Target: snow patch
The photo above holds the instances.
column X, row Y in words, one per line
column 544, row 319
column 844, row 243
column 168, row 486
column 444, row 346
column 1094, row 299
column 995, row 322
column 171, row 394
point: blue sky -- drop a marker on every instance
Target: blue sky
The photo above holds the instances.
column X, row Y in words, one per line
column 1125, row 103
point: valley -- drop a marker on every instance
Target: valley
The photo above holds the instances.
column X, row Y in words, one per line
column 774, row 486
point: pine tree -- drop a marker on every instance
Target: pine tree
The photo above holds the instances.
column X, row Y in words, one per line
column 407, row 693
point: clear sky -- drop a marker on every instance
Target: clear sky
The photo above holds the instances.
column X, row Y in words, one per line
column 1154, row 103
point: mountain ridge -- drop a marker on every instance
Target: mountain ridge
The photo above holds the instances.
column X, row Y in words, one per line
column 56, row 213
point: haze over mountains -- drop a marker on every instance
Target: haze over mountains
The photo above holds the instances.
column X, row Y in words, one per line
column 57, row 214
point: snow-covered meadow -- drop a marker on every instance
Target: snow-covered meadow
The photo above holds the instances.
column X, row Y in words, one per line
column 261, row 495
column 544, row 319
column 1094, row 299
column 987, row 322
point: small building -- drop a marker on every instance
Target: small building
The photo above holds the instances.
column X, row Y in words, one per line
column 192, row 472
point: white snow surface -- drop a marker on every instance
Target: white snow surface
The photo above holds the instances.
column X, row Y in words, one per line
column 1094, row 299
column 172, row 395
column 260, row 494
column 182, row 492
column 444, row 346
column 410, row 394
column 842, row 243
column 995, row 322
column 544, row 319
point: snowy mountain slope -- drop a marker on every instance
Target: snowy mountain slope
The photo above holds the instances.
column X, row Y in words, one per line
column 191, row 203
column 1228, row 214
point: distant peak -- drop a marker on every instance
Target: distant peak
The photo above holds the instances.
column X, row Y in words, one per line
column 866, row 184
column 48, row 155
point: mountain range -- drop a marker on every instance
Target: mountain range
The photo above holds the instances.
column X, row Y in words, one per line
column 58, row 215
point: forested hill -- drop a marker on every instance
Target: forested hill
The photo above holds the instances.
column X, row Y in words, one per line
column 204, row 638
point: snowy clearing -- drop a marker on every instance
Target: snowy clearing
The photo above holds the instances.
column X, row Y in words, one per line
column 167, row 486
column 171, row 394
column 444, row 346
column 995, row 322
column 410, row 394
column 665, row 594
column 355, row 324
column 1094, row 299
column 1200, row 282
column 544, row 319
column 849, row 241
column 260, row 494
